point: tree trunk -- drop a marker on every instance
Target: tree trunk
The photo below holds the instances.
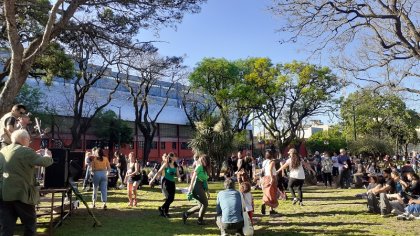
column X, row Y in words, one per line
column 75, row 134
column 219, row 169
column 147, row 148
column 11, row 88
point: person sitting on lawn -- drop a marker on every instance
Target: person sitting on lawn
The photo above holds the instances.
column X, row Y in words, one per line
column 229, row 209
column 412, row 211
column 373, row 182
column 392, row 203
column 373, row 194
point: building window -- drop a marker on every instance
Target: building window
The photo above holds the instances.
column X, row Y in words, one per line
column 154, row 145
column 184, row 146
column 162, row 146
column 167, row 130
column 173, row 145
column 141, row 145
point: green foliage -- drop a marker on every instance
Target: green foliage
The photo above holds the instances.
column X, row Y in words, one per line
column 240, row 139
column 108, row 127
column 371, row 145
column 292, row 93
column 54, row 63
column 213, row 137
column 328, row 140
column 216, row 77
column 383, row 116
column 31, row 97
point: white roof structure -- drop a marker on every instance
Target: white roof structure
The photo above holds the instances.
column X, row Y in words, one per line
column 60, row 95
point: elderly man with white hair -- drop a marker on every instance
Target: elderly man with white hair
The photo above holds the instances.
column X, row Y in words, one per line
column 18, row 191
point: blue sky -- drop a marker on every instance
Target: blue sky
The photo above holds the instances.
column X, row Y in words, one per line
column 233, row 29
column 236, row 29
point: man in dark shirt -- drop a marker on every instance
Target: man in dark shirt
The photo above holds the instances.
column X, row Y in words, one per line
column 375, row 193
column 342, row 167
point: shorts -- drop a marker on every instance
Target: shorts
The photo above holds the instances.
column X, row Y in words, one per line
column 135, row 178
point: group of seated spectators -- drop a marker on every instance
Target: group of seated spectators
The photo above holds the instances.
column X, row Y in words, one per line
column 394, row 193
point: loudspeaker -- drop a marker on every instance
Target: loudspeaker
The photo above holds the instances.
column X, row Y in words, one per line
column 56, row 175
column 76, row 165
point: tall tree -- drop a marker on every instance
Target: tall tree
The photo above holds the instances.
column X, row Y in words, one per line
column 293, row 92
column 85, row 104
column 151, row 85
column 223, row 83
column 381, row 115
column 29, row 26
column 111, row 130
column 197, row 105
column 385, row 34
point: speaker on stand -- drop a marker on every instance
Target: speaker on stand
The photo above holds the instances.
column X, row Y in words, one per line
column 56, row 175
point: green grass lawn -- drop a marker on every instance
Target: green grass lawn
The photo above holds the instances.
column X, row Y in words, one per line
column 326, row 212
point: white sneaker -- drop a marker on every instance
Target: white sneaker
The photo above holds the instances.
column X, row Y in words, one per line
column 410, row 217
column 402, row 216
column 396, row 212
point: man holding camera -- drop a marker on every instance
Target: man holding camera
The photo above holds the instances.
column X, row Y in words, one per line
column 9, row 123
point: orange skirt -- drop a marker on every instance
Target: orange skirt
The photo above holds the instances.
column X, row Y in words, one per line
column 270, row 192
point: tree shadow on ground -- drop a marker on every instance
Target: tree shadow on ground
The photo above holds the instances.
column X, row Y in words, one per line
column 324, row 213
column 132, row 219
column 332, row 198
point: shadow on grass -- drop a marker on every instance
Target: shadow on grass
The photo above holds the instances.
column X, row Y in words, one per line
column 329, row 198
column 311, row 231
column 131, row 222
column 324, row 213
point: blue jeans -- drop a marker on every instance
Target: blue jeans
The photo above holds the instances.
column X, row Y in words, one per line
column 413, row 209
column 100, row 180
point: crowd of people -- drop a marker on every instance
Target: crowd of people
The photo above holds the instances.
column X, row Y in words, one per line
column 391, row 189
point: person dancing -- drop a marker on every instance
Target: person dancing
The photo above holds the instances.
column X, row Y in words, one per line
column 198, row 189
column 100, row 169
column 170, row 170
column 133, row 177
column 297, row 174
column 269, row 184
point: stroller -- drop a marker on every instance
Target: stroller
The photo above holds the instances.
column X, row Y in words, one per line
column 113, row 178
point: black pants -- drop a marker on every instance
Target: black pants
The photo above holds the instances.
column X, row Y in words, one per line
column 327, row 178
column 168, row 189
column 121, row 174
column 10, row 211
column 296, row 183
column 345, row 180
column 200, row 195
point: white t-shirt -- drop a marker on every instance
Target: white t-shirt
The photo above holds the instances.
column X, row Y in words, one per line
column 266, row 167
column 298, row 173
column 248, row 201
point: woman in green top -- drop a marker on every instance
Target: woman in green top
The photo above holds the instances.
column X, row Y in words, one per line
column 199, row 189
column 169, row 170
